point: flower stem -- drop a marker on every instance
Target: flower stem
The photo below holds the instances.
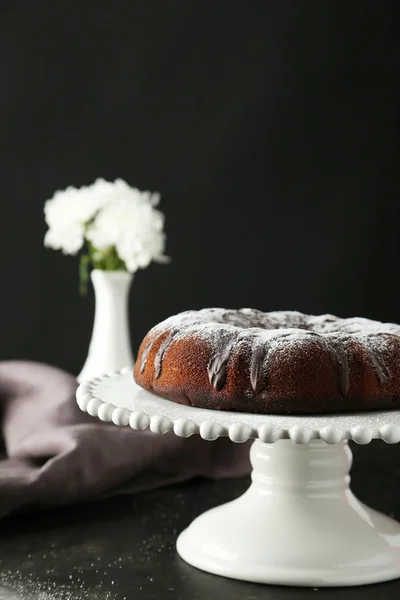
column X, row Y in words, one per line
column 84, row 265
column 105, row 260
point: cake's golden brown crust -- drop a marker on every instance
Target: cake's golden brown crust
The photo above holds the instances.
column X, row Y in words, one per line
column 280, row 362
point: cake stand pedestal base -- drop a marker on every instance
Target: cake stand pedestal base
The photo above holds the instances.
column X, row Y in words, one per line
column 297, row 524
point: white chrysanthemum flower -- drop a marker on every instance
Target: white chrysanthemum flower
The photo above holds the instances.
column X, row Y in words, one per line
column 119, row 221
column 68, row 212
column 134, row 227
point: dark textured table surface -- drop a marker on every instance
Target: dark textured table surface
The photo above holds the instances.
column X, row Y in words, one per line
column 124, row 548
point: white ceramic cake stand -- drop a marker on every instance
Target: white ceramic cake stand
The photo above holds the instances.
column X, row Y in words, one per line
column 298, row 523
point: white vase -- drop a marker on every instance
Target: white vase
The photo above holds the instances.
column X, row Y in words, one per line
column 110, row 345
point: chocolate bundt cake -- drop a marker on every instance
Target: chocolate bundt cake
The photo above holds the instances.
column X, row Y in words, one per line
column 276, row 362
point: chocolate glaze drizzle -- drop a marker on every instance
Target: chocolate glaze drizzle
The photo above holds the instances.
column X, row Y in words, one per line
column 145, row 354
column 258, row 368
column 217, row 367
column 161, row 351
column 337, row 350
column 265, row 332
column 377, row 360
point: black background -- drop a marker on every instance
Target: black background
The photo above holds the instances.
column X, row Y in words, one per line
column 269, row 127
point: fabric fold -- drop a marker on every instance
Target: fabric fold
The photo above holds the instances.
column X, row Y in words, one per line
column 56, row 455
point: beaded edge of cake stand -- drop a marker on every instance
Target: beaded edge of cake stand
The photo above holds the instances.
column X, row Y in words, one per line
column 210, row 430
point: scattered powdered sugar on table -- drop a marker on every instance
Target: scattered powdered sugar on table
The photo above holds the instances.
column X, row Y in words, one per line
column 15, row 585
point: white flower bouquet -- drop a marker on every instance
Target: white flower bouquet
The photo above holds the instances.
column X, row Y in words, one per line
column 118, row 227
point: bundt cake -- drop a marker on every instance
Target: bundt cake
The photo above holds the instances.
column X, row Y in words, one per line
column 276, row 362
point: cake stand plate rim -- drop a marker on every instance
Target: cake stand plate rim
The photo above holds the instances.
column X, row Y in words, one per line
column 115, row 397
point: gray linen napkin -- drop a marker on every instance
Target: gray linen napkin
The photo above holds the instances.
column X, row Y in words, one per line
column 54, row 454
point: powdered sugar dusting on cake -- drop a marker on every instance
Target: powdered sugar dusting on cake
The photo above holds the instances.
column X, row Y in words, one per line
column 224, row 330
